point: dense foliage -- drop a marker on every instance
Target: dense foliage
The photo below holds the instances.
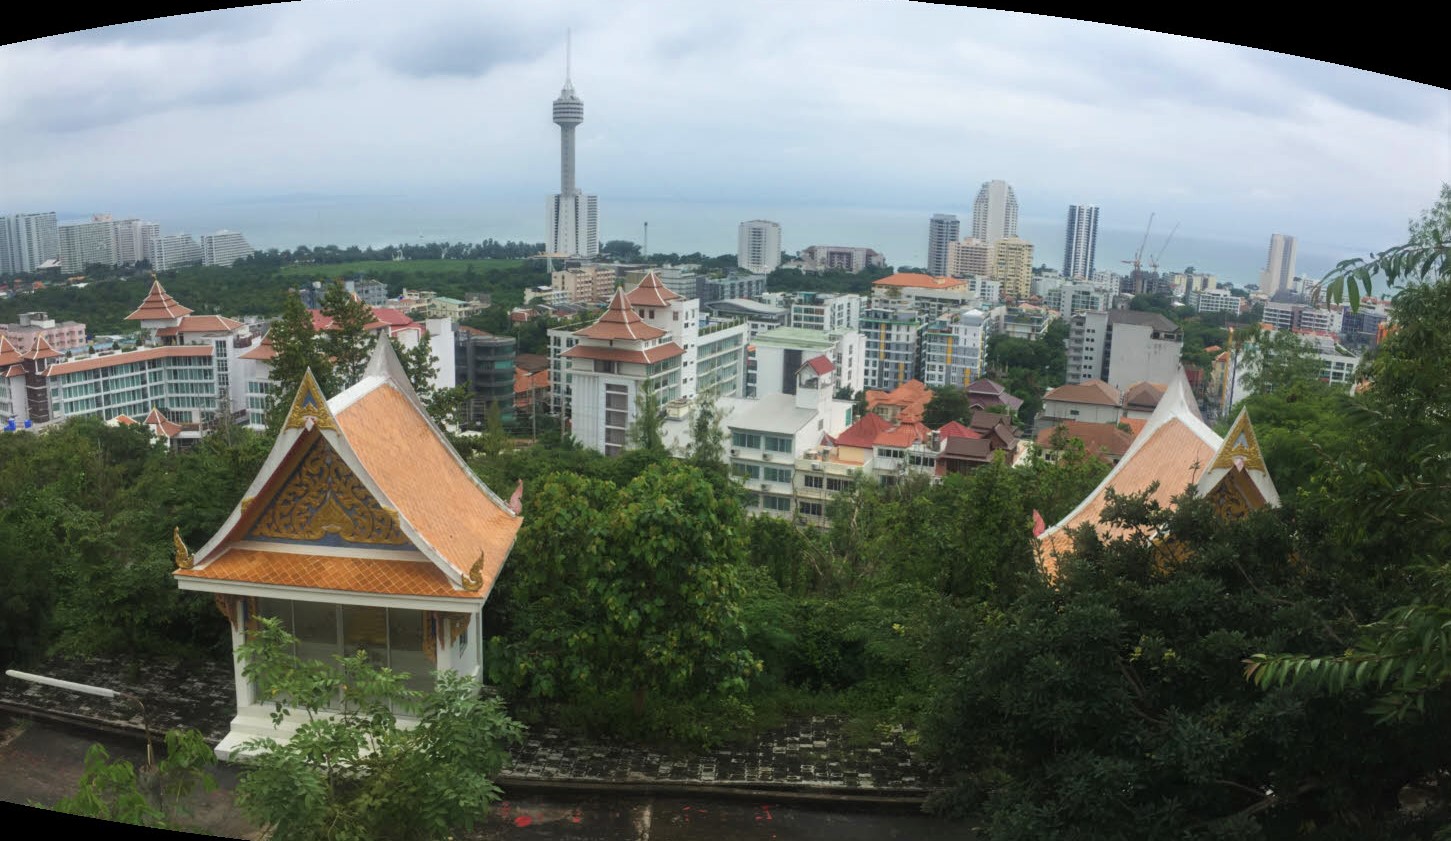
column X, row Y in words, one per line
column 350, row 772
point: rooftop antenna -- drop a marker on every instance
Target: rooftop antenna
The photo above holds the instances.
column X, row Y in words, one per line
column 645, row 246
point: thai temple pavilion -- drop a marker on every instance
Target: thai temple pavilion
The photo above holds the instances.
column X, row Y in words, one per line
column 1176, row 449
column 363, row 530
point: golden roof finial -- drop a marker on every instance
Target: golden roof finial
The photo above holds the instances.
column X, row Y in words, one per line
column 184, row 558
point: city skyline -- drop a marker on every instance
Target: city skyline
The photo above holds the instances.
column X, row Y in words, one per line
column 1342, row 156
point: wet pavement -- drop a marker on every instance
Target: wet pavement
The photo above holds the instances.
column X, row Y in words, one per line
column 811, row 753
column 41, row 762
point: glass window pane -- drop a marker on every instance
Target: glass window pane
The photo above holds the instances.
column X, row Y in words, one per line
column 405, row 648
column 317, row 630
column 366, row 629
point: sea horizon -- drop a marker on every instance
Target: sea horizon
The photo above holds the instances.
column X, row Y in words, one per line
column 684, row 227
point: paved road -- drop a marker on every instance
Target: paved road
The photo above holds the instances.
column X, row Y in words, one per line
column 41, row 762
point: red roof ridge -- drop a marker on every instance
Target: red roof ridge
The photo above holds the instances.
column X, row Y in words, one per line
column 620, row 321
column 651, row 292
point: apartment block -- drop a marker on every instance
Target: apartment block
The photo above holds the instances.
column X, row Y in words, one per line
column 1012, row 265
column 87, row 243
column 224, row 248
column 821, row 311
column 834, row 258
column 1122, row 347
column 954, row 348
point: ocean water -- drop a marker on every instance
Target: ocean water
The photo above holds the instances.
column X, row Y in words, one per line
column 685, row 227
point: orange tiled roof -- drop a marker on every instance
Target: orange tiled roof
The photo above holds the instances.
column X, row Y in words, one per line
column 41, row 349
column 953, row 429
column 864, row 432
column 329, row 572
column 15, row 371
column 910, row 399
column 160, row 425
column 124, row 420
column 903, row 435
column 423, row 478
column 263, row 351
column 1143, row 395
column 1136, row 425
column 619, row 354
column 1102, row 439
column 1174, row 455
column 158, row 305
column 142, row 355
column 620, row 321
column 651, row 293
column 524, row 381
column 920, row 281
column 9, row 354
column 1095, row 392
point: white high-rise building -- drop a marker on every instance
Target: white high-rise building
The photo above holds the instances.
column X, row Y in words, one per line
column 1080, row 241
column 224, row 248
column 573, row 217
column 942, row 232
column 27, row 240
column 88, row 243
column 133, row 240
column 759, row 246
column 1279, row 269
column 173, row 251
column 995, row 212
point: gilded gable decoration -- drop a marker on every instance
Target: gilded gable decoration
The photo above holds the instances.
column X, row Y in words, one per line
column 1241, row 447
column 184, row 559
column 227, row 605
column 309, row 407
column 323, row 496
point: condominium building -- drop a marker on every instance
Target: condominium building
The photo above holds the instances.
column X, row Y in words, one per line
column 1012, row 265
column 1080, row 241
column 942, row 231
column 224, row 248
column 893, row 345
column 776, row 355
column 825, row 311
column 759, row 246
column 970, row 257
column 926, row 294
column 954, row 348
column 1214, row 300
column 484, row 365
column 1186, row 283
column 756, row 315
column 995, row 212
column 1071, row 298
column 583, row 284
column 823, row 258
column 28, row 240
column 1023, row 322
column 1279, row 269
column 733, row 285
column 1122, row 347
column 30, row 326
column 133, row 240
column 174, row 251
column 1303, row 317
column 87, row 243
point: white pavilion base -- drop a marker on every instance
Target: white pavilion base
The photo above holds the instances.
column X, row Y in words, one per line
column 255, row 722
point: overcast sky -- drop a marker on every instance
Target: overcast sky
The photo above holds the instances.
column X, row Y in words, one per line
column 860, row 103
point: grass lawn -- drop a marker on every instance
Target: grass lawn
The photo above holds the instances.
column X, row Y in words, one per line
column 377, row 267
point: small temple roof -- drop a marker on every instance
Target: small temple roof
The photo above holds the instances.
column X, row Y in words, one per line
column 651, row 293
column 395, row 320
column 123, row 420
column 9, row 354
column 1105, row 440
column 15, row 371
column 1143, row 396
column 953, row 429
column 620, row 321
column 863, row 434
column 619, row 354
column 1174, row 449
column 201, row 324
column 41, row 349
column 160, row 425
column 394, row 510
column 158, row 305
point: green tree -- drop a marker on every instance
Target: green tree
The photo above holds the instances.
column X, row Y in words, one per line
column 1426, row 255
column 298, row 350
column 495, row 440
column 707, row 447
column 356, row 773
column 645, row 431
column 114, row 790
column 347, row 342
column 444, row 405
column 1280, row 361
column 630, row 591
column 949, row 403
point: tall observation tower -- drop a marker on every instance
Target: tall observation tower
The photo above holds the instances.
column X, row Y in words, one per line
column 573, row 216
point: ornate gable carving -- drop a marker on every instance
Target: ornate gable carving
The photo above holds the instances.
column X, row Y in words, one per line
column 323, row 497
column 309, row 407
column 1240, row 445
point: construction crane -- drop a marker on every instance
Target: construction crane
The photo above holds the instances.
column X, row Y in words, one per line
column 1154, row 260
column 1139, row 255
